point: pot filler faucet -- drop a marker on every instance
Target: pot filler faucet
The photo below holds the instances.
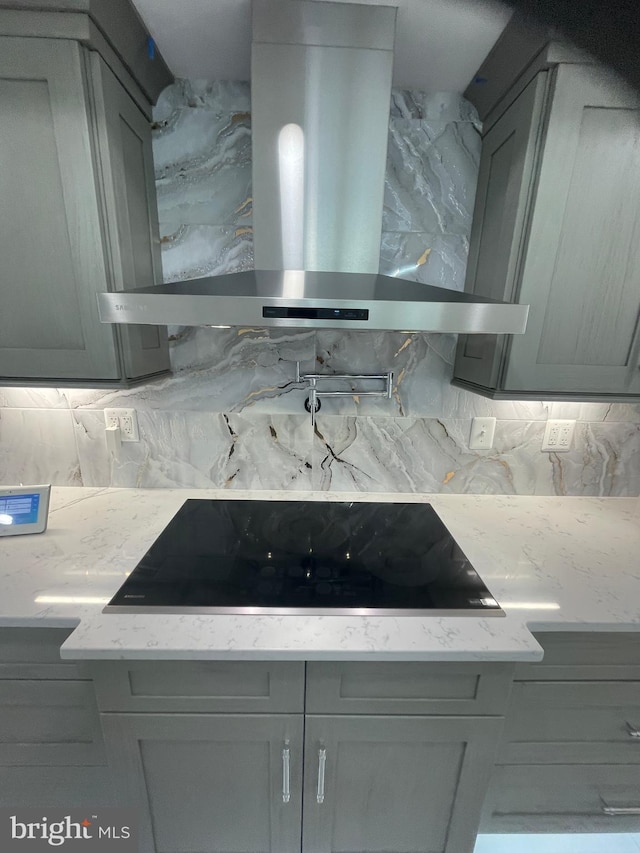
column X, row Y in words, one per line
column 312, row 403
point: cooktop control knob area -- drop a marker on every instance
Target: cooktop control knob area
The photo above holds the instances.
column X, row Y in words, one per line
column 299, row 556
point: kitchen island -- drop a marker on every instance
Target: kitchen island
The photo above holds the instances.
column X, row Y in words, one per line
column 553, row 564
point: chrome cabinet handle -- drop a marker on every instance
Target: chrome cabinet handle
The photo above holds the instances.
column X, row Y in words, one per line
column 624, row 810
column 286, row 773
column 322, row 761
column 632, row 731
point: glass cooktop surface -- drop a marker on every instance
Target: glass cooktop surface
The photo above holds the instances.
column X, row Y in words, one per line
column 236, row 556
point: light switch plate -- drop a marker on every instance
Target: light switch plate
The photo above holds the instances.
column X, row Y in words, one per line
column 482, row 432
column 558, row 436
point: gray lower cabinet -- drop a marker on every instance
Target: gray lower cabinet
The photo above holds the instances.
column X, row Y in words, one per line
column 565, row 798
column 52, row 750
column 402, row 784
column 238, row 756
column 556, row 226
column 77, row 216
column 204, row 783
column 569, row 760
column 231, row 783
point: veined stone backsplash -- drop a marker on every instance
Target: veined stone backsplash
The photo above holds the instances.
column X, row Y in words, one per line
column 232, row 415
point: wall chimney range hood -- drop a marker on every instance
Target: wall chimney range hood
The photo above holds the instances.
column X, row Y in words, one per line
column 320, row 101
column 320, row 300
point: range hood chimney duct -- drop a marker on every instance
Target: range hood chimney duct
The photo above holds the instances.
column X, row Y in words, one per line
column 320, row 100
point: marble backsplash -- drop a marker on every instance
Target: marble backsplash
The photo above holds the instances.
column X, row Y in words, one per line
column 232, row 415
column 254, row 450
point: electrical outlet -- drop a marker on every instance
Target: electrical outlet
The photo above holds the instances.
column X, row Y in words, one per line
column 111, row 419
column 558, row 436
column 482, row 432
column 126, row 419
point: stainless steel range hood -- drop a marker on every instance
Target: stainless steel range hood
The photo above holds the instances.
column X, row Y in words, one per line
column 320, row 300
column 321, row 90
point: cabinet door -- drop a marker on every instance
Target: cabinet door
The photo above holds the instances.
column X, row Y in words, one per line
column 582, row 268
column 50, row 231
column 131, row 212
column 405, row 784
column 208, row 783
column 503, row 198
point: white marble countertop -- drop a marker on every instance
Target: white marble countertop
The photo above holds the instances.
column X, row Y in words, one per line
column 552, row 563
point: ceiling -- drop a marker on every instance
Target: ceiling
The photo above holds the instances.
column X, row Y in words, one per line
column 439, row 43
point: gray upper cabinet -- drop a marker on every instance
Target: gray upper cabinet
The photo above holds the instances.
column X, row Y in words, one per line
column 77, row 216
column 502, row 198
column 557, row 226
column 50, row 230
column 131, row 211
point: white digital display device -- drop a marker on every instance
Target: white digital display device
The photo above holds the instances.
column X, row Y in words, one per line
column 23, row 509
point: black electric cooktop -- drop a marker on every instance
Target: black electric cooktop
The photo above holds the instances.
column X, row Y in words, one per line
column 233, row 556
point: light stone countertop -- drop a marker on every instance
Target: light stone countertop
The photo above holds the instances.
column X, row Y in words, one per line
column 552, row 563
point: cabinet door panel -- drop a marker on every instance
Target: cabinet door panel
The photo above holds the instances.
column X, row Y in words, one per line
column 258, row 687
column 400, row 687
column 505, row 186
column 50, row 239
column 57, row 787
column 578, row 656
column 35, row 653
column 205, row 783
column 131, row 211
column 405, row 784
column 572, row 723
column 562, row 798
column 582, row 268
column 49, row 723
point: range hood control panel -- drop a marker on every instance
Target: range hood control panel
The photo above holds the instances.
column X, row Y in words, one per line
column 310, row 313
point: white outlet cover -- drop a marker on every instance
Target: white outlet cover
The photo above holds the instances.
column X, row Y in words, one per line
column 558, row 436
column 126, row 419
column 111, row 418
column 482, row 433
